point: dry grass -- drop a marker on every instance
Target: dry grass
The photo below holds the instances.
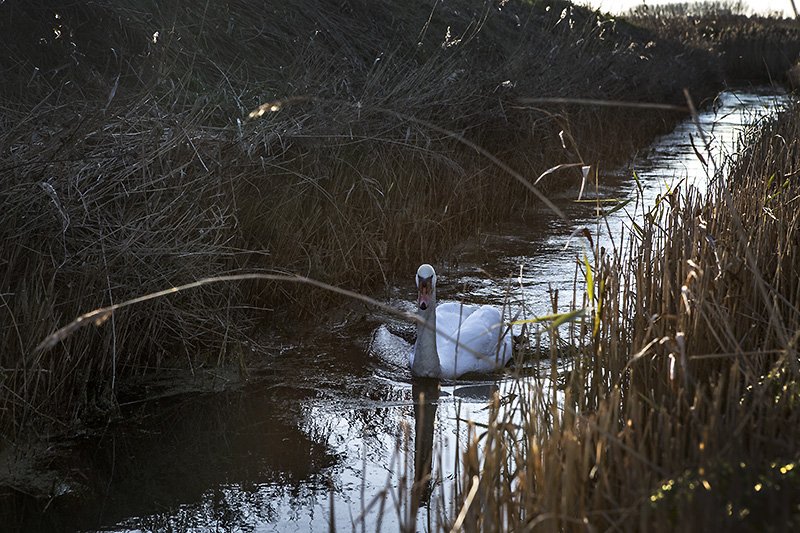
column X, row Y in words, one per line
column 681, row 408
column 127, row 209
column 127, row 165
column 690, row 9
column 748, row 48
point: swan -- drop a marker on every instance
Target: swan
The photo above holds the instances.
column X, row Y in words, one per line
column 483, row 342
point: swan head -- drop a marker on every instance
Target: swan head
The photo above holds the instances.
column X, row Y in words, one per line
column 426, row 285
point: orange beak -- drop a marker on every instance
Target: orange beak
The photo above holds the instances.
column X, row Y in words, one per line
column 425, row 293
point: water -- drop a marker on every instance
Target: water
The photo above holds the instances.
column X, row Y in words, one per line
column 327, row 431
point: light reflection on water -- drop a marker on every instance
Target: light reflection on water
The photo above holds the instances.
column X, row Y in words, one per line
column 328, row 432
column 548, row 258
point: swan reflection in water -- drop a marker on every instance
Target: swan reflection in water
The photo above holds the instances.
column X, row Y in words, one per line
column 425, row 392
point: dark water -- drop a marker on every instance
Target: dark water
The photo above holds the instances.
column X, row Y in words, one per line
column 329, row 431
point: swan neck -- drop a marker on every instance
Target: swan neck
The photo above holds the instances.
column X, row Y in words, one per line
column 426, row 357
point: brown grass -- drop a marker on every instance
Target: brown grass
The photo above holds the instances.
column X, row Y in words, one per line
column 681, row 408
column 127, row 170
column 748, row 47
column 127, row 166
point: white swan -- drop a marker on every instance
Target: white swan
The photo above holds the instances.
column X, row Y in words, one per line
column 483, row 341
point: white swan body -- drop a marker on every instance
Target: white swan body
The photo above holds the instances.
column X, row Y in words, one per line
column 455, row 339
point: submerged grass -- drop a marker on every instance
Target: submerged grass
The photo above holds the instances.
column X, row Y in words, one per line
column 681, row 408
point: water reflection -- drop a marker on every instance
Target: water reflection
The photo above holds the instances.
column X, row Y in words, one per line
column 195, row 461
column 547, row 256
column 425, row 394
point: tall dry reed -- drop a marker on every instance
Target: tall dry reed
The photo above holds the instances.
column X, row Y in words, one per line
column 681, row 409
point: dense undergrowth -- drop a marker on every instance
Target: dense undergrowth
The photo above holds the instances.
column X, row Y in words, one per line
column 747, row 47
column 680, row 410
column 128, row 165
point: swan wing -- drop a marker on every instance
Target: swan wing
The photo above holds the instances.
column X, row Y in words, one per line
column 483, row 344
column 450, row 315
column 391, row 348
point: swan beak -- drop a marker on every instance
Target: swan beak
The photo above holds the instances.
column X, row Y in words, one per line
column 425, row 293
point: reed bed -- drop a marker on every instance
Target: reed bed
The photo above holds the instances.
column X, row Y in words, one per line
column 128, row 164
column 748, row 47
column 680, row 409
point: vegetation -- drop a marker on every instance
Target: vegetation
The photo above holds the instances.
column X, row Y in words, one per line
column 689, row 9
column 681, row 409
column 747, row 47
column 128, row 165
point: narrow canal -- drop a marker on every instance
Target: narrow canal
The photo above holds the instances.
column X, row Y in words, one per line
column 327, row 430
